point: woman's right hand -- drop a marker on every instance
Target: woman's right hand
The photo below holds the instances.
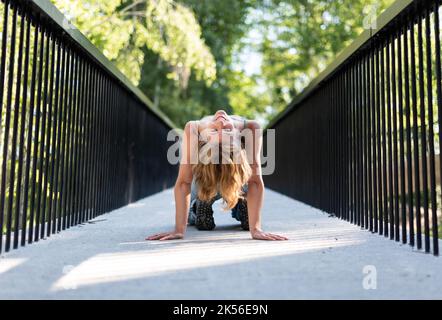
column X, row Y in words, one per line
column 173, row 235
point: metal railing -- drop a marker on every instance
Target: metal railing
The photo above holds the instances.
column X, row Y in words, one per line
column 358, row 144
column 77, row 139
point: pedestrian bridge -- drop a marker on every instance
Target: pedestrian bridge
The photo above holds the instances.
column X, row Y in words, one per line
column 84, row 175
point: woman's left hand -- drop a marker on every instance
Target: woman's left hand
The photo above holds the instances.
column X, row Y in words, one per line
column 261, row 235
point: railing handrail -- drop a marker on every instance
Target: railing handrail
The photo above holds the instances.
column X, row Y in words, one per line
column 46, row 9
column 397, row 8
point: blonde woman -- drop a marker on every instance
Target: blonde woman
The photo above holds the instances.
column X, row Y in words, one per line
column 218, row 162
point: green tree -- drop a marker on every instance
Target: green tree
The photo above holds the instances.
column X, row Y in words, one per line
column 122, row 29
column 299, row 39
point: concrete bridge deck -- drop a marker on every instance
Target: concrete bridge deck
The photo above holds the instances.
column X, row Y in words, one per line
column 325, row 258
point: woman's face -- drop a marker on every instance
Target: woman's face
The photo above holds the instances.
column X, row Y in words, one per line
column 219, row 127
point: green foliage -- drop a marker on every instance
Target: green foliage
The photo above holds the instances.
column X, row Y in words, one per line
column 223, row 26
column 301, row 37
column 122, row 29
column 182, row 53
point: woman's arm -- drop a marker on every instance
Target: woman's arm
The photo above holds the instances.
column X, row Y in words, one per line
column 182, row 187
column 255, row 193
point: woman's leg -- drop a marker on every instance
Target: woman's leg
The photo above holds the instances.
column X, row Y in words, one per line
column 240, row 212
column 201, row 212
column 193, row 196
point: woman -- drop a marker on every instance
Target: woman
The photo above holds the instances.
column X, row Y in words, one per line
column 221, row 159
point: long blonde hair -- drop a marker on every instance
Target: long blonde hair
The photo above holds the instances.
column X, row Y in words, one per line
column 226, row 177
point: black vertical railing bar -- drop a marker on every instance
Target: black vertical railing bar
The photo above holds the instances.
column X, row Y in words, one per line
column 356, row 183
column 53, row 200
column 403, row 215
column 338, row 158
column 89, row 142
column 102, row 167
column 408, row 136
column 2, row 87
column 357, row 144
column 106, row 137
column 395, row 138
column 367, row 152
column 84, row 179
column 342, row 161
column 344, row 154
column 336, row 124
column 70, row 144
column 30, row 159
column 379, row 217
column 78, row 200
column 115, row 132
column 78, row 143
column 15, row 186
column 77, row 156
column 331, row 162
column 73, row 144
column 101, row 163
column 40, row 226
column 8, row 114
column 117, row 137
column 423, row 125
column 72, row 154
column 373, row 135
column 104, row 180
column 360, row 146
column 348, row 88
column 92, row 143
column 22, row 173
column 390, row 141
column 362, row 151
column 2, row 91
column 49, row 139
column 82, row 141
column 347, row 123
column 112, row 128
column 352, row 148
column 416, row 148
column 100, row 137
column 430, row 129
column 53, row 107
column 98, row 147
column 101, row 147
column 68, row 132
column 91, row 161
column 333, row 148
column 439, row 108
column 94, row 150
column 107, row 145
column 124, row 147
column 38, row 137
column 334, row 145
column 385, row 179
column 366, row 119
column 105, row 122
column 65, row 141
column 330, row 149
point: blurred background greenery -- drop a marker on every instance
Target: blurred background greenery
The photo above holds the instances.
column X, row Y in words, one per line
column 192, row 57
